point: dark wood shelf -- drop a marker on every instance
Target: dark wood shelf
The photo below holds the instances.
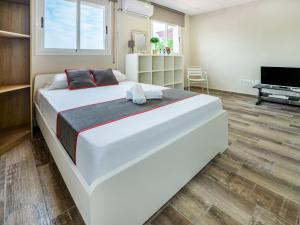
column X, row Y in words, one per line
column 13, row 87
column 10, row 137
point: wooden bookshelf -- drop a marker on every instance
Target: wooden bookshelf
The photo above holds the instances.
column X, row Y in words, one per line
column 14, row 72
column 8, row 34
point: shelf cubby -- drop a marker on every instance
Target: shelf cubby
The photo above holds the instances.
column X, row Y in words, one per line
column 178, row 62
column 145, row 64
column 169, row 63
column 179, row 86
column 157, row 63
column 145, row 78
column 178, row 76
column 169, row 77
column 158, row 78
column 12, row 136
column 15, row 108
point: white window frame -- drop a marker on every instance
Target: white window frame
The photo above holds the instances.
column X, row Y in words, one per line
column 41, row 50
column 166, row 33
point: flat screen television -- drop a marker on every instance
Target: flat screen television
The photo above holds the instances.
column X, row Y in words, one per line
column 280, row 76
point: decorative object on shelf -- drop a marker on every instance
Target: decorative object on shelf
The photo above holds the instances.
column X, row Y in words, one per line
column 161, row 51
column 168, row 50
column 154, row 41
column 131, row 45
column 140, row 39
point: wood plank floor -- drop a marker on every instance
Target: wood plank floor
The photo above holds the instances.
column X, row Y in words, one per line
column 255, row 182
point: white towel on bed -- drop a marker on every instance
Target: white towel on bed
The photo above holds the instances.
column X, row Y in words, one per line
column 154, row 94
column 138, row 95
column 150, row 94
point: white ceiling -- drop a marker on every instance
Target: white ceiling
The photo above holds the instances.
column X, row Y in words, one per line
column 193, row 7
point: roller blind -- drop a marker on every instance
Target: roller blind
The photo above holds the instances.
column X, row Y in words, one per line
column 167, row 15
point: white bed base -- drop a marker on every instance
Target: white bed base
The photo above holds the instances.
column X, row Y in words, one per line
column 131, row 194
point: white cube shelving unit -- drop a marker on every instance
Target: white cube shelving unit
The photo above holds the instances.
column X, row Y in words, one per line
column 158, row 70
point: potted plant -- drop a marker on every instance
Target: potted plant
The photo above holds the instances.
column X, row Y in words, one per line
column 154, row 41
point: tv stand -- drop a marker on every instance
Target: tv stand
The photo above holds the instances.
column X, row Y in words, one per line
column 278, row 94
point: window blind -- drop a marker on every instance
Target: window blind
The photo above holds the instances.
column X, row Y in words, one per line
column 167, row 15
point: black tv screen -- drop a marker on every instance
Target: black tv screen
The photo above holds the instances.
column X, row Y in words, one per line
column 281, row 76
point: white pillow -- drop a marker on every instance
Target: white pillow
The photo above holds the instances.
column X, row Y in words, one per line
column 119, row 76
column 59, row 81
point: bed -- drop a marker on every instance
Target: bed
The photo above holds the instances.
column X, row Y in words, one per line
column 127, row 169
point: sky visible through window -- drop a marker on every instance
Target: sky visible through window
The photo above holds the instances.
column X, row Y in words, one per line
column 92, row 27
column 61, row 26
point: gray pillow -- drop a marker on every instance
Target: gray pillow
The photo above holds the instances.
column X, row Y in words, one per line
column 104, row 77
column 79, row 79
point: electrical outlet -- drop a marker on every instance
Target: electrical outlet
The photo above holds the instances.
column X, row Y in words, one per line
column 247, row 83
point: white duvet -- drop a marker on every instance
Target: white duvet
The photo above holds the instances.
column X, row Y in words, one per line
column 105, row 148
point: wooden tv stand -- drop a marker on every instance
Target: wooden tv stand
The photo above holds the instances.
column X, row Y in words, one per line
column 278, row 94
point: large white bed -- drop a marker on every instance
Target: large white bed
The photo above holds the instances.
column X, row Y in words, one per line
column 127, row 170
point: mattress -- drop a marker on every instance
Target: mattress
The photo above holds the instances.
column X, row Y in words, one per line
column 106, row 148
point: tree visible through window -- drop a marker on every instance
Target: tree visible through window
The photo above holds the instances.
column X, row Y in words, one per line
column 169, row 36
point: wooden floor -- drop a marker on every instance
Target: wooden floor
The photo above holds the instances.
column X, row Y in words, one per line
column 255, row 182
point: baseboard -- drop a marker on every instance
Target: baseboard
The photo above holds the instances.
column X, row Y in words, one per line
column 228, row 92
column 236, row 93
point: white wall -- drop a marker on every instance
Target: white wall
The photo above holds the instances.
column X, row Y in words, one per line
column 232, row 44
column 126, row 24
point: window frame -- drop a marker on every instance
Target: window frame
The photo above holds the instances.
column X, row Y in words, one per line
column 166, row 33
column 41, row 50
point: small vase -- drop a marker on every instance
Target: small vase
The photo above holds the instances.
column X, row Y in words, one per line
column 154, row 52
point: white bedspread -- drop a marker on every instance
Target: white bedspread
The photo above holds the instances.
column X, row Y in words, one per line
column 105, row 148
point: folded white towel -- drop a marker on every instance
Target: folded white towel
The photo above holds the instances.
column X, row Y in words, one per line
column 150, row 94
column 154, row 94
column 138, row 96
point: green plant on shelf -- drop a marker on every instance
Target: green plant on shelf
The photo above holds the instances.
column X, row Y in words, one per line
column 155, row 41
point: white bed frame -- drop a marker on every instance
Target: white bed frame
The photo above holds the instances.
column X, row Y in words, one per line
column 131, row 194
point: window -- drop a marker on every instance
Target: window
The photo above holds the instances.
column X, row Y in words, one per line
column 169, row 36
column 74, row 27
